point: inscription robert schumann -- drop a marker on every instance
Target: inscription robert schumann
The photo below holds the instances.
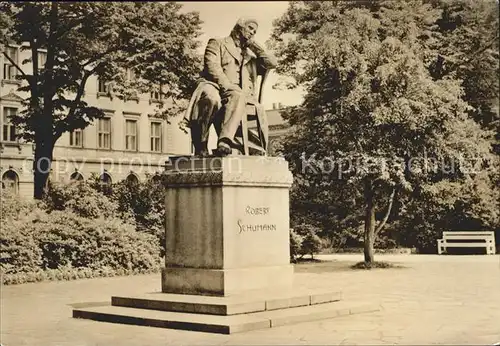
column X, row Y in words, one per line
column 255, row 227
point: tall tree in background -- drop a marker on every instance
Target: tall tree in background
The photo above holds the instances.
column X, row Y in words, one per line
column 468, row 49
column 372, row 112
column 464, row 46
column 153, row 41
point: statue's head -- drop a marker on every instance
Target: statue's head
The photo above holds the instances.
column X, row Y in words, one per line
column 245, row 29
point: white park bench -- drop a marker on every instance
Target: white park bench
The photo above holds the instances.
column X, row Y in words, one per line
column 484, row 239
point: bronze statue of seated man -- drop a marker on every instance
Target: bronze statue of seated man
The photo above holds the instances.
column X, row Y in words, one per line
column 227, row 89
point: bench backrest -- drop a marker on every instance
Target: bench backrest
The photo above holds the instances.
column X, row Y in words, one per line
column 487, row 235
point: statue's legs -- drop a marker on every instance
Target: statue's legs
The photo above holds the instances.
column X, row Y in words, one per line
column 217, row 121
column 207, row 106
column 234, row 103
column 196, row 138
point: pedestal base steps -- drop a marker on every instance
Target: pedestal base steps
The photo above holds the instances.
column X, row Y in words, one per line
column 225, row 315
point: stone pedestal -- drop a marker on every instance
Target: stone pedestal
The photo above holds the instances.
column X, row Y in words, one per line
column 227, row 259
column 227, row 225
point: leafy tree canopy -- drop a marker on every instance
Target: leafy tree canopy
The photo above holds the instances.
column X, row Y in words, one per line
column 374, row 109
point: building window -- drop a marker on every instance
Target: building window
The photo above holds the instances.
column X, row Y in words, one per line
column 10, row 182
column 156, row 178
column 9, row 70
column 105, row 183
column 104, row 133
column 8, row 129
column 42, row 59
column 156, row 137
column 132, row 179
column 130, row 134
column 155, row 95
column 76, row 176
column 102, row 87
column 76, row 138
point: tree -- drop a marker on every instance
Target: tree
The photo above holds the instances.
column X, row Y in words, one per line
column 468, row 49
column 373, row 119
column 153, row 41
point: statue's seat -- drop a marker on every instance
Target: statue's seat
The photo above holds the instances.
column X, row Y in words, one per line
column 252, row 134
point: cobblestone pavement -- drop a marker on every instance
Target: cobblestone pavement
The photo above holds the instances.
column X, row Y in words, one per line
column 432, row 300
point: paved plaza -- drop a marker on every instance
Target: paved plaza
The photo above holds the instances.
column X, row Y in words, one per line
column 431, row 300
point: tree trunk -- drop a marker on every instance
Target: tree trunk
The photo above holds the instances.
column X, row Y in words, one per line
column 387, row 214
column 44, row 135
column 41, row 167
column 369, row 236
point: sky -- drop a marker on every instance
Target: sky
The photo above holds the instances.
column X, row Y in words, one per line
column 219, row 18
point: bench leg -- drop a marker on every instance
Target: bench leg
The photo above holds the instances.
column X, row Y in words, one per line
column 440, row 247
column 490, row 249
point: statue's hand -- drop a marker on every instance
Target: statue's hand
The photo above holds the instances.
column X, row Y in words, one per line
column 231, row 87
column 255, row 46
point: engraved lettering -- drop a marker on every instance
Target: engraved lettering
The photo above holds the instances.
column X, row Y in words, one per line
column 257, row 210
column 255, row 227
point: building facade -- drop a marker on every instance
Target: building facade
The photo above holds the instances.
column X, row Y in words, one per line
column 128, row 143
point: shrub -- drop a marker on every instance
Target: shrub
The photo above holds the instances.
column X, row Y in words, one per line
column 146, row 203
column 295, row 244
column 310, row 242
column 19, row 251
column 76, row 231
column 12, row 206
column 140, row 204
column 387, row 237
column 82, row 199
column 66, row 273
column 67, row 239
column 42, row 246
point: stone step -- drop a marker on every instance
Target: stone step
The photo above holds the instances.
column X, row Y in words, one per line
column 240, row 304
column 221, row 324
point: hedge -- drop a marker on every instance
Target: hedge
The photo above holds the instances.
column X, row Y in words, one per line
column 37, row 245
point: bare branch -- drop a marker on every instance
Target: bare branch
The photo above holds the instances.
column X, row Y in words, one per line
column 386, row 217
